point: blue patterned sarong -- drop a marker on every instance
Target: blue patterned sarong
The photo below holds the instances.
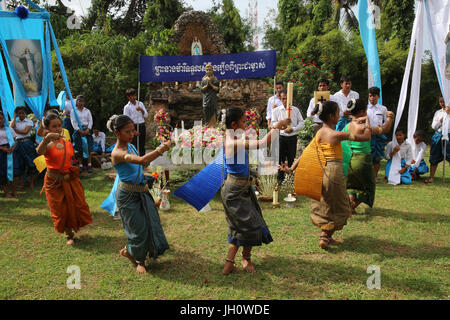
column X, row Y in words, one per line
column 26, row 151
column 342, row 123
column 421, row 169
column 405, row 177
column 377, row 145
column 3, row 165
column 437, row 148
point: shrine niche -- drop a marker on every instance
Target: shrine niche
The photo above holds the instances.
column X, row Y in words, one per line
column 183, row 100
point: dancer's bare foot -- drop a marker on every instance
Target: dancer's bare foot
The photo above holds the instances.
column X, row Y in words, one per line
column 124, row 253
column 334, row 241
column 229, row 267
column 140, row 269
column 70, row 238
column 248, row 265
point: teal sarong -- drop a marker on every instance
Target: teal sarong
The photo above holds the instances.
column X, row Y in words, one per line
column 142, row 224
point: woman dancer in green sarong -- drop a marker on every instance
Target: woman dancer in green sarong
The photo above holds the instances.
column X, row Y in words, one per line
column 359, row 169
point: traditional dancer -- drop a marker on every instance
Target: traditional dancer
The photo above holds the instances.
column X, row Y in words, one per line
column 405, row 154
column 437, row 144
column 137, row 208
column 63, row 188
column 360, row 179
column 26, row 149
column 246, row 224
column 418, row 163
column 320, row 175
column 5, row 150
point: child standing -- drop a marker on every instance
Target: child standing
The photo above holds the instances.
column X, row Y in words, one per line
column 330, row 206
column 137, row 208
column 246, row 224
column 5, row 150
column 405, row 153
column 63, row 188
column 418, row 164
column 26, row 149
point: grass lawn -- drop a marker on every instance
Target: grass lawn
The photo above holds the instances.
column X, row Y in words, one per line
column 406, row 234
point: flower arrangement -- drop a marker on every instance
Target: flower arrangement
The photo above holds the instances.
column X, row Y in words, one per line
column 198, row 137
column 253, row 119
column 162, row 131
column 161, row 116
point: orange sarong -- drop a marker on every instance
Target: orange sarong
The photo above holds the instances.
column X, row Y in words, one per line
column 64, row 191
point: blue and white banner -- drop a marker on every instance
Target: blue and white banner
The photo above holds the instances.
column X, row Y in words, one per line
column 367, row 31
column 256, row 64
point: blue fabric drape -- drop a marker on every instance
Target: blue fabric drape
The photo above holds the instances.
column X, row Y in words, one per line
column 369, row 41
column 199, row 191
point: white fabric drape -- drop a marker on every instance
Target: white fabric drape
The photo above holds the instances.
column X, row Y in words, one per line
column 394, row 175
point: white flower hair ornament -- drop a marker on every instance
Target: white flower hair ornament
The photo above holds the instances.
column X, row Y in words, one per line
column 320, row 109
column 351, row 105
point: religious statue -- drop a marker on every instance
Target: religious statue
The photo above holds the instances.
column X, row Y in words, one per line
column 447, row 55
column 196, row 47
column 210, row 88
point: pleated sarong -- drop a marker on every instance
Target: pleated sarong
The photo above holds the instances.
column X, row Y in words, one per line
column 333, row 209
column 360, row 179
column 244, row 216
column 68, row 206
column 142, row 224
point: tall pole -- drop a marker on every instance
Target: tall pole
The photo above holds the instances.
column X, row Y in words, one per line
column 445, row 159
column 137, row 125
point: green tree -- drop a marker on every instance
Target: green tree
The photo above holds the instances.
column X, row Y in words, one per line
column 96, row 64
column 397, row 18
column 236, row 32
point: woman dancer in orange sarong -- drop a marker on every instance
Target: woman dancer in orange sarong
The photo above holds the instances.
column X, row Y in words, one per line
column 63, row 188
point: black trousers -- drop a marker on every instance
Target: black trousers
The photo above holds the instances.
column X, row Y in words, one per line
column 288, row 150
column 141, row 138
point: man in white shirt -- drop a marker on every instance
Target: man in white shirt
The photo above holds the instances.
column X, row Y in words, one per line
column 85, row 116
column 274, row 102
column 437, row 145
column 288, row 137
column 377, row 117
column 323, row 85
column 343, row 97
column 137, row 112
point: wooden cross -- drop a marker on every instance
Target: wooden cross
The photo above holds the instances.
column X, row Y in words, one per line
column 322, row 100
